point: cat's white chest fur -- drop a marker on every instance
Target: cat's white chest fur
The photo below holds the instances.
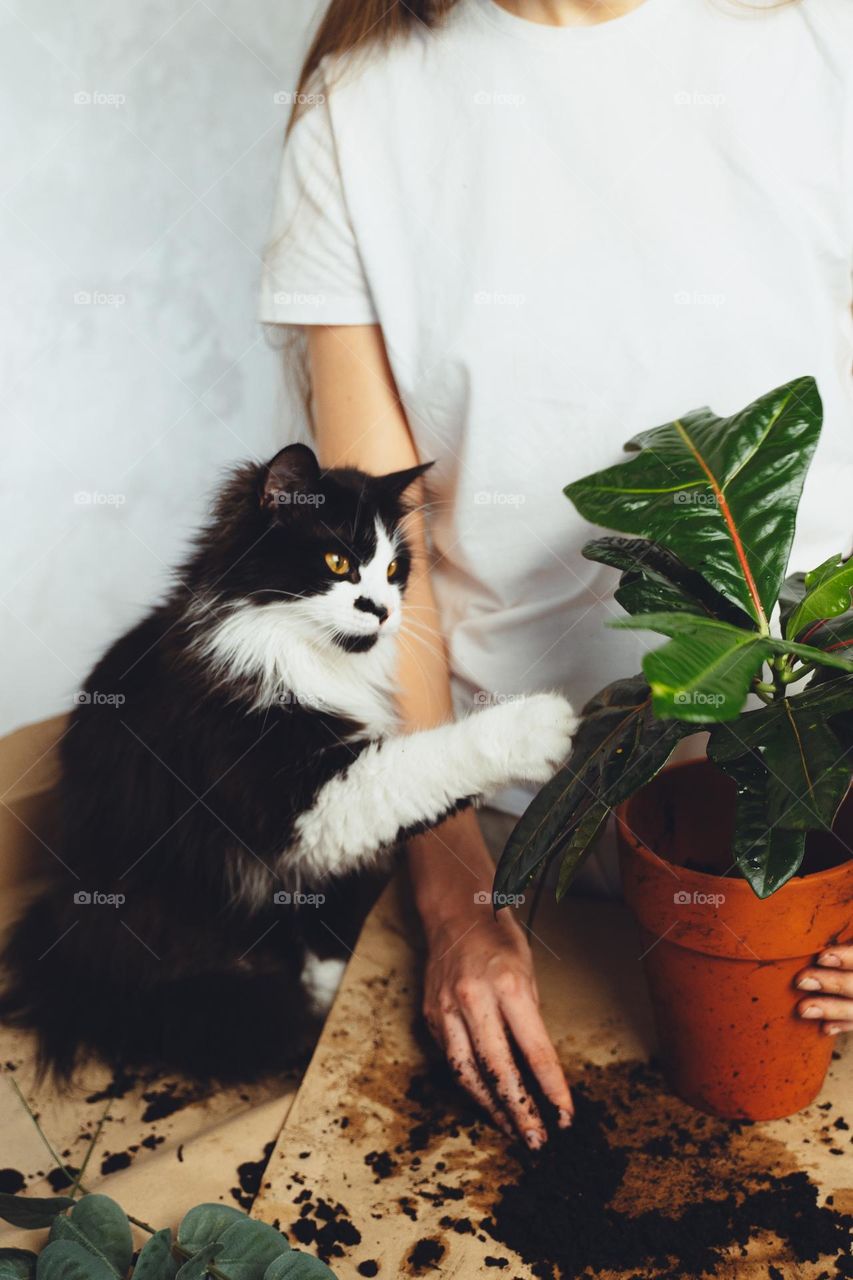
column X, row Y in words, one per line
column 280, row 651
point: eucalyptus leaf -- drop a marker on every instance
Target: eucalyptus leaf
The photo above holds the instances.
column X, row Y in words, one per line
column 205, row 1224
column 30, row 1212
column 198, row 1266
column 720, row 493
column 298, row 1266
column 827, row 594
column 17, row 1264
column 68, row 1260
column 156, row 1260
column 247, row 1248
column 100, row 1225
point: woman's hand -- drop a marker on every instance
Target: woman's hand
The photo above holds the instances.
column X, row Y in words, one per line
column 480, row 995
column 830, row 987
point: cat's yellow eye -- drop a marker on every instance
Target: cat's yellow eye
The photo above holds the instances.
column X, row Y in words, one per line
column 338, row 564
column 392, row 569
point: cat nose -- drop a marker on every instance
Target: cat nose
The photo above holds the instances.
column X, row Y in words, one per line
column 370, row 606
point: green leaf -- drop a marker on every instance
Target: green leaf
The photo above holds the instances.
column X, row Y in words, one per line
column 100, row 1225
column 247, row 1248
column 808, row 767
column 655, row 578
column 200, row 1264
column 619, row 745
column 767, row 856
column 828, row 592
column 580, row 845
column 206, row 1223
column 156, row 1261
column 68, row 1260
column 705, row 673
column 30, row 1212
column 721, row 493
column 298, row 1266
column 17, row 1264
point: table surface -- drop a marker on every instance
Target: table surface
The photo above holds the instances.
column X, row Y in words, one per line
column 353, row 1104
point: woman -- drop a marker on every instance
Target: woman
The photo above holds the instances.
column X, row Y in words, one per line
column 515, row 233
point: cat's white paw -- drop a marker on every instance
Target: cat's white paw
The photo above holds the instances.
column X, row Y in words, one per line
column 528, row 738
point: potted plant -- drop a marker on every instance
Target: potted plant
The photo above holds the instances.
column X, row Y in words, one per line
column 709, row 508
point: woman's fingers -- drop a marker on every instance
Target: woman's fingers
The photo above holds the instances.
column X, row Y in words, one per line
column 525, row 1023
column 460, row 1055
column 830, row 1008
column 835, row 982
column 488, row 1036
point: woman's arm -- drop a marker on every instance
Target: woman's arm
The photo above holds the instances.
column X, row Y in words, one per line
column 480, row 990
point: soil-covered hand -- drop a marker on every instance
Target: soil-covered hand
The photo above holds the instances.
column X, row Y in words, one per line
column 480, row 998
column 830, row 987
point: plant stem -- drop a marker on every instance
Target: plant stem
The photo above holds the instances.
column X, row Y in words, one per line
column 77, row 1184
column 765, row 692
column 78, row 1181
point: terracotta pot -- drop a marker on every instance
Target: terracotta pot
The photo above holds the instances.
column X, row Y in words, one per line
column 720, row 962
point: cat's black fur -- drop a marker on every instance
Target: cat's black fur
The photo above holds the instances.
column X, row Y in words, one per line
column 177, row 791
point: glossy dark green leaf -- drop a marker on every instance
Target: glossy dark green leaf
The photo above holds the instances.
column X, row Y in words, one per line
column 156, row 1260
column 17, row 1264
column 827, row 595
column 68, row 1260
column 198, row 1266
column 808, row 765
column 247, row 1248
column 30, row 1212
column 580, row 845
column 100, row 1225
column 721, row 493
column 654, row 578
column 620, row 744
column 705, row 672
column 767, row 856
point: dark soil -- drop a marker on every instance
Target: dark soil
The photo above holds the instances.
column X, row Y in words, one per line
column 426, row 1255
column 249, row 1175
column 11, row 1181
column 118, row 1160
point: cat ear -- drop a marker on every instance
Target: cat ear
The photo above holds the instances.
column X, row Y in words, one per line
column 293, row 469
column 395, row 483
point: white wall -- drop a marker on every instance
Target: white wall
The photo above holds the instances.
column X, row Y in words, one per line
column 140, row 146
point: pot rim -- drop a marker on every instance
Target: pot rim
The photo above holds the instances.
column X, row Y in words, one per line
column 738, row 883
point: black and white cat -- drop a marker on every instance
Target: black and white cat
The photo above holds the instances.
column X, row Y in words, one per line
column 234, row 758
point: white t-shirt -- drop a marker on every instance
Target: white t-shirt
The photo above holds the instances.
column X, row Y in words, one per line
column 569, row 235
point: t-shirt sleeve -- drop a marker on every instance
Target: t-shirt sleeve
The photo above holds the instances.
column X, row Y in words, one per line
column 312, row 271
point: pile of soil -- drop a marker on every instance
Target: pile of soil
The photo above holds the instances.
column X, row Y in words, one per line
column 641, row 1184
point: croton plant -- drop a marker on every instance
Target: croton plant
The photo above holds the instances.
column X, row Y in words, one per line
column 708, row 506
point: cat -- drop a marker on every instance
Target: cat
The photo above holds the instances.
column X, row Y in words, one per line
column 233, row 769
